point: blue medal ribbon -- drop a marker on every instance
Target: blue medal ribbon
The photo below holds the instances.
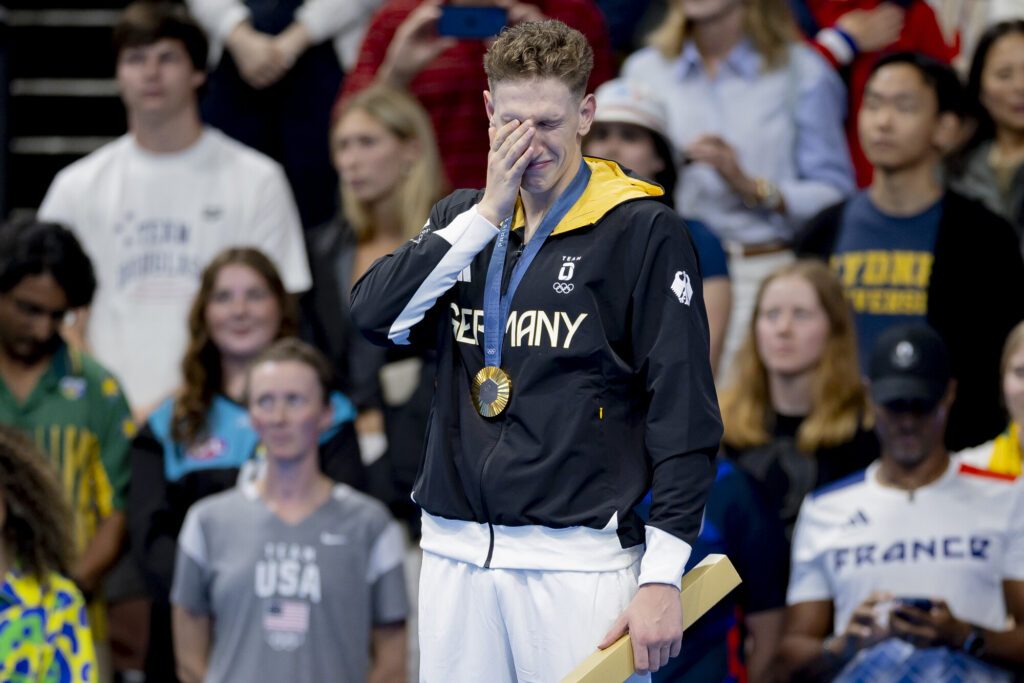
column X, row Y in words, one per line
column 496, row 306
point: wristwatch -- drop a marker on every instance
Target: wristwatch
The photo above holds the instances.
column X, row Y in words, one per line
column 974, row 643
column 766, row 195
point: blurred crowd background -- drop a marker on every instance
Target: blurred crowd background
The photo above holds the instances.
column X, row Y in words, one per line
column 186, row 184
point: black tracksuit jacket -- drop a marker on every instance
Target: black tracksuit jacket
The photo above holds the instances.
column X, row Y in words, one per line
column 612, row 391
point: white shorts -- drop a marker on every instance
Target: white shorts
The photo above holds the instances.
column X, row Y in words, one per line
column 514, row 625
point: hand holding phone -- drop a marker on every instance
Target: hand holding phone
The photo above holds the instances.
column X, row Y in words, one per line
column 926, row 622
column 415, row 45
column 916, row 606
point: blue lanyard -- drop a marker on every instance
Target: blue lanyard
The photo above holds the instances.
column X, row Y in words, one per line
column 495, row 305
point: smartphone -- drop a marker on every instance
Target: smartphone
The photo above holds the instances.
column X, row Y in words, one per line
column 471, row 21
column 923, row 604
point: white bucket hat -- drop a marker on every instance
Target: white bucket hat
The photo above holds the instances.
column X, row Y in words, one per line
column 622, row 101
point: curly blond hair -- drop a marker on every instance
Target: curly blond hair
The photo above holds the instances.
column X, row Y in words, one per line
column 541, row 49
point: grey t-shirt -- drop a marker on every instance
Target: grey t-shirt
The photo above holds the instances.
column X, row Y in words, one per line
column 290, row 602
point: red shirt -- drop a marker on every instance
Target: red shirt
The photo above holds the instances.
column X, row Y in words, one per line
column 451, row 87
column 921, row 33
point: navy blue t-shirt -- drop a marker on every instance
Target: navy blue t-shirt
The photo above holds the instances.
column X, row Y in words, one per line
column 739, row 524
column 712, row 257
column 884, row 264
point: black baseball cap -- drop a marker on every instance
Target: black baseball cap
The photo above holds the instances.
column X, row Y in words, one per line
column 909, row 365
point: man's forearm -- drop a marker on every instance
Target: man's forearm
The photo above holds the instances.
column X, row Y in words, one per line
column 1005, row 646
column 390, row 74
column 802, row 657
column 395, row 294
column 101, row 553
column 764, row 634
column 1000, row 647
column 389, row 654
column 191, row 644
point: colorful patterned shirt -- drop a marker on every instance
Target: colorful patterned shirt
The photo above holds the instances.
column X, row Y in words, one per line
column 44, row 632
column 78, row 416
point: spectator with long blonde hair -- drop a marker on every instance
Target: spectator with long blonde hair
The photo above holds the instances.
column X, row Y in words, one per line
column 383, row 147
column 795, row 414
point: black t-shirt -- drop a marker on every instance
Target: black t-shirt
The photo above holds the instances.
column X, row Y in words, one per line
column 785, row 475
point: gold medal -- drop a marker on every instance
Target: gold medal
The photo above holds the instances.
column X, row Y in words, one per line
column 491, row 389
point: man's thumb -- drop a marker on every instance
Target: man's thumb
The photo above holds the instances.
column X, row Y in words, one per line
column 617, row 631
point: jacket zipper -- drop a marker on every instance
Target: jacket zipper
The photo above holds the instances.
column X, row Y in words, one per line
column 507, row 270
column 483, row 499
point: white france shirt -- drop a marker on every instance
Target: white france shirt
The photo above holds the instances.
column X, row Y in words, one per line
column 957, row 538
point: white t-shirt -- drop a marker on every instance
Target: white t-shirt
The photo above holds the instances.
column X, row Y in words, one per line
column 977, row 456
column 957, row 539
column 151, row 223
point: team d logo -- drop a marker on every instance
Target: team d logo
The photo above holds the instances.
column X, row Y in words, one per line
column 681, row 287
column 565, row 273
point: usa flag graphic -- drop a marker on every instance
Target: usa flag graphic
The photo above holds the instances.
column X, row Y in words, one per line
column 291, row 616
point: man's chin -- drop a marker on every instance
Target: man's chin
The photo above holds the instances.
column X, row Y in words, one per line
column 908, row 459
column 537, row 183
column 32, row 354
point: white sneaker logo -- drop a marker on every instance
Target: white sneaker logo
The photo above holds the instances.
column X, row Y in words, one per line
column 681, row 287
column 328, row 538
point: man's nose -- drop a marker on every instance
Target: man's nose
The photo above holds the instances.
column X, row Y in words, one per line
column 42, row 327
column 884, row 118
column 277, row 412
column 908, row 421
column 150, row 67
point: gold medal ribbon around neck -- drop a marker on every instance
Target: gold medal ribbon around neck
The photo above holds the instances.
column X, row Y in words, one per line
column 492, row 388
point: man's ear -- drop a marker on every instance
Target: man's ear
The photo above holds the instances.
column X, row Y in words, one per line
column 948, row 133
column 488, row 104
column 949, row 396
column 588, row 107
column 198, row 79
